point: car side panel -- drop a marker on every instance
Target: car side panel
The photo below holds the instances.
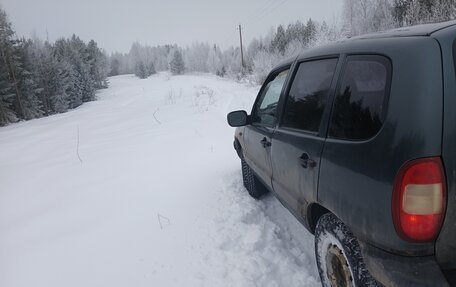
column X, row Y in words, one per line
column 294, row 184
column 446, row 243
column 257, row 156
column 357, row 177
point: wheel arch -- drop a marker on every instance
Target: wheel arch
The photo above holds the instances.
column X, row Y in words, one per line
column 238, row 148
column 314, row 212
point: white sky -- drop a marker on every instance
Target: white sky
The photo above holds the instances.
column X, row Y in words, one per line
column 115, row 24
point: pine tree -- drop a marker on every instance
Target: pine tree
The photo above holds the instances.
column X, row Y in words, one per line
column 28, row 87
column 176, row 65
column 399, row 11
column 10, row 61
column 280, row 40
column 443, row 10
column 41, row 79
column 60, row 85
column 114, row 67
column 140, row 70
column 310, row 33
column 151, row 69
column 6, row 93
column 98, row 65
column 414, row 13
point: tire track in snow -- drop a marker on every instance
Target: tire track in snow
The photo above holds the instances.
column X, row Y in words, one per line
column 258, row 243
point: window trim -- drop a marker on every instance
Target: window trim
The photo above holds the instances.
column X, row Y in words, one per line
column 338, row 57
column 273, row 73
column 386, row 100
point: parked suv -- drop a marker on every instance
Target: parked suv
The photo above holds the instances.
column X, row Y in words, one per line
column 358, row 140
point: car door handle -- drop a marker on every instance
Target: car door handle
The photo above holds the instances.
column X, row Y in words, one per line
column 265, row 143
column 305, row 161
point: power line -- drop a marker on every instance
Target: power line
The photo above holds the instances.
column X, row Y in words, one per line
column 257, row 12
column 268, row 11
column 254, row 14
column 242, row 51
column 267, row 8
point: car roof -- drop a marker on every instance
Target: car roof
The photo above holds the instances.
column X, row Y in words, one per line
column 412, row 31
column 284, row 63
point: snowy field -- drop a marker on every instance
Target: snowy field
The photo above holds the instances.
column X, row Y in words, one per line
column 142, row 188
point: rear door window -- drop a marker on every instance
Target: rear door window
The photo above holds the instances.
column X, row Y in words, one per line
column 360, row 104
column 308, row 95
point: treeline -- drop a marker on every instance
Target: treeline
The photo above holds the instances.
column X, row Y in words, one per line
column 358, row 17
column 40, row 78
column 143, row 60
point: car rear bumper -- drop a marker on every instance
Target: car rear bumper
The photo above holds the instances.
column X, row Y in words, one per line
column 395, row 270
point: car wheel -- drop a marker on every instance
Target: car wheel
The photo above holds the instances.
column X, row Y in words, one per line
column 255, row 188
column 339, row 258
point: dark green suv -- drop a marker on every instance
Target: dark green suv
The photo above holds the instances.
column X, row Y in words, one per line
column 358, row 140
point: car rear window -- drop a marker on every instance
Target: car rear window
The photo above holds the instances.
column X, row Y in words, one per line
column 359, row 107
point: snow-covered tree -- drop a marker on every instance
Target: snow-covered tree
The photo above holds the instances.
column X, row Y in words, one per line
column 415, row 14
column 196, row 57
column 176, row 65
column 140, row 70
column 214, row 61
column 366, row 16
column 39, row 78
column 263, row 63
column 114, row 68
column 443, row 10
column 10, row 62
column 98, row 65
column 310, row 34
column 27, row 83
column 279, row 43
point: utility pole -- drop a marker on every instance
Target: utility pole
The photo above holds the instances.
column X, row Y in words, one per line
column 242, row 51
column 213, row 56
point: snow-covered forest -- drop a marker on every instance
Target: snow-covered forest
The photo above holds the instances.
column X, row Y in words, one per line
column 40, row 78
column 261, row 54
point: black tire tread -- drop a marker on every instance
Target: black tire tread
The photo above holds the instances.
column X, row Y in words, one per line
column 329, row 223
column 255, row 188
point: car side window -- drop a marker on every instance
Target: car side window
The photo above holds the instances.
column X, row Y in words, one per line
column 265, row 110
column 308, row 95
column 359, row 106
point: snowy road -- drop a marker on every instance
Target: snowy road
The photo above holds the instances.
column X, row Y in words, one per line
column 142, row 188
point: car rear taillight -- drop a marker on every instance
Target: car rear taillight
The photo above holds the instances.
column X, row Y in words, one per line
column 419, row 200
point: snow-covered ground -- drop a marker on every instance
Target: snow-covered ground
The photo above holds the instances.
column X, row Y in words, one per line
column 142, row 188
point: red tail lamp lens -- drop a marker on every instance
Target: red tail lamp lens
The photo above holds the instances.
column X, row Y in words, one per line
column 419, row 200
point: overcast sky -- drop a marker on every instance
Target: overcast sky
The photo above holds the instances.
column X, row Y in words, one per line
column 116, row 24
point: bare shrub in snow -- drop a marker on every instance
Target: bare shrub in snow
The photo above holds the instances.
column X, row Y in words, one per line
column 203, row 99
column 170, row 97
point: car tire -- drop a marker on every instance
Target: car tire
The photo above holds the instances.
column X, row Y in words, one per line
column 255, row 188
column 339, row 258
